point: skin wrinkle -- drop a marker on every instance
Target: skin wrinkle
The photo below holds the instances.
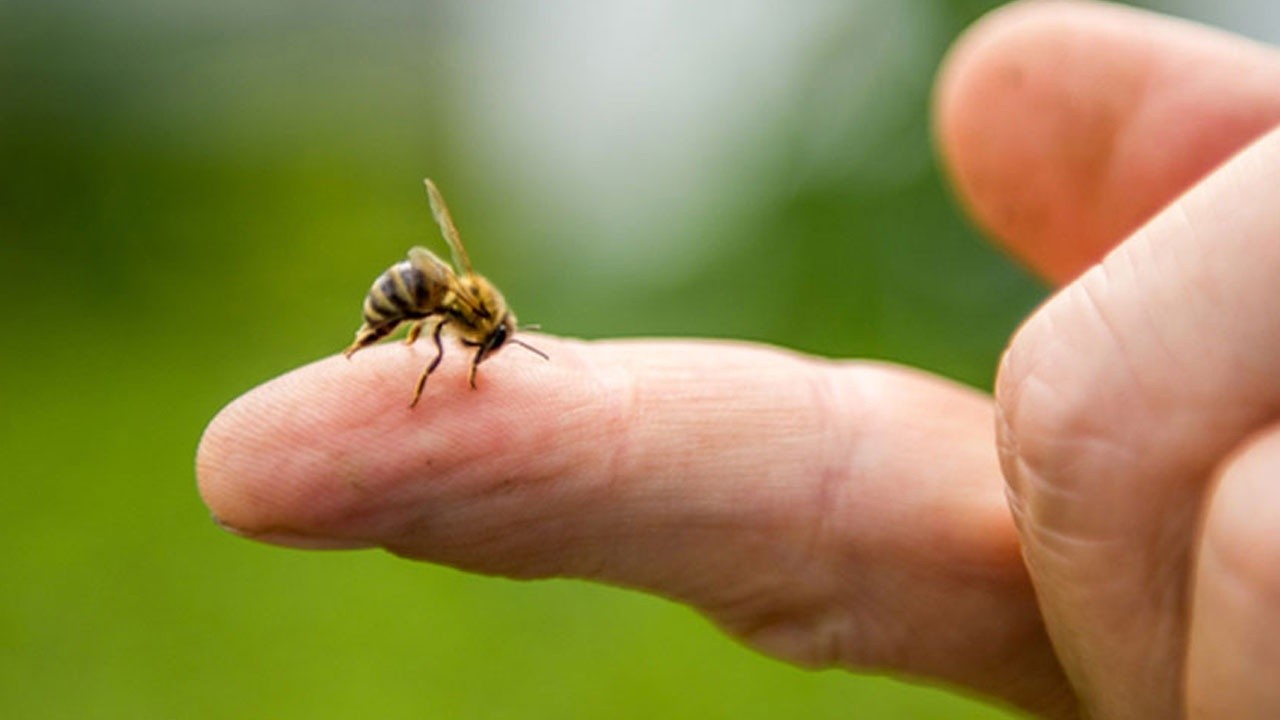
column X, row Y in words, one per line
column 1165, row 356
column 804, row 559
column 1038, row 443
column 1219, row 280
column 1030, row 493
column 625, row 411
column 794, row 631
column 708, row 516
column 1079, row 421
column 1019, row 368
column 694, row 454
column 1009, row 387
column 1206, row 304
column 772, row 629
column 622, row 416
column 1061, row 538
column 1011, row 470
column 765, row 625
column 1094, row 294
column 1178, row 215
column 834, row 467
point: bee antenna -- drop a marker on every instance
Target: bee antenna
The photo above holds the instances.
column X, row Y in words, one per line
column 530, row 348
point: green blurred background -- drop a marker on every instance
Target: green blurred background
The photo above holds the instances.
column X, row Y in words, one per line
column 195, row 197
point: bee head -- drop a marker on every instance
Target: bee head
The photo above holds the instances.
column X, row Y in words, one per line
column 501, row 333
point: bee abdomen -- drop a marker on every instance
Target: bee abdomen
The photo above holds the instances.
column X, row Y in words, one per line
column 400, row 293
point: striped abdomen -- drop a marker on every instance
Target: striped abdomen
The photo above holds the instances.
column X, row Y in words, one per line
column 401, row 293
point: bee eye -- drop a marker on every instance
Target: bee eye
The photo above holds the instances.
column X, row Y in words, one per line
column 498, row 337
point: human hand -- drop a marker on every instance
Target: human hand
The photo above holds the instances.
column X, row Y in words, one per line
column 1136, row 409
column 854, row 513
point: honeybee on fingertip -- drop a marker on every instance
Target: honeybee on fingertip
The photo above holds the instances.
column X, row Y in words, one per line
column 425, row 290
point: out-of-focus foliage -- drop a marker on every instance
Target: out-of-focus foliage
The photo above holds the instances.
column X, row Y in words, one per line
column 195, row 196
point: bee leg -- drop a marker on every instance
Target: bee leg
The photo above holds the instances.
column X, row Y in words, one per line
column 431, row 366
column 414, row 330
column 475, row 362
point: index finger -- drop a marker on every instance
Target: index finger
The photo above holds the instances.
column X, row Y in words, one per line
column 686, row 430
column 831, row 514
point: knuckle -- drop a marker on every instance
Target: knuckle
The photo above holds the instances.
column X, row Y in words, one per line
column 1061, row 426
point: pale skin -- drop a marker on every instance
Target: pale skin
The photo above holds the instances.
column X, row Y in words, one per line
column 1101, row 538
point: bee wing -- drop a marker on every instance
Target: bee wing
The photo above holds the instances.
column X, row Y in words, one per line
column 431, row 266
column 447, row 228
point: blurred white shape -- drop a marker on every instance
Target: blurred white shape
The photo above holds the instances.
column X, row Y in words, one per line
column 632, row 125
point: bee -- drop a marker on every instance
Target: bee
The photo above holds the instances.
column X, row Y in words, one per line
column 425, row 289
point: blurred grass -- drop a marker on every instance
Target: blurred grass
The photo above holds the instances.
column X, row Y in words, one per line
column 195, row 200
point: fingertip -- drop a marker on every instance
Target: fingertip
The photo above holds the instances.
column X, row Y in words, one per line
column 1065, row 125
column 969, row 64
column 333, row 453
column 1233, row 652
column 1026, row 116
column 235, row 474
column 273, row 463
